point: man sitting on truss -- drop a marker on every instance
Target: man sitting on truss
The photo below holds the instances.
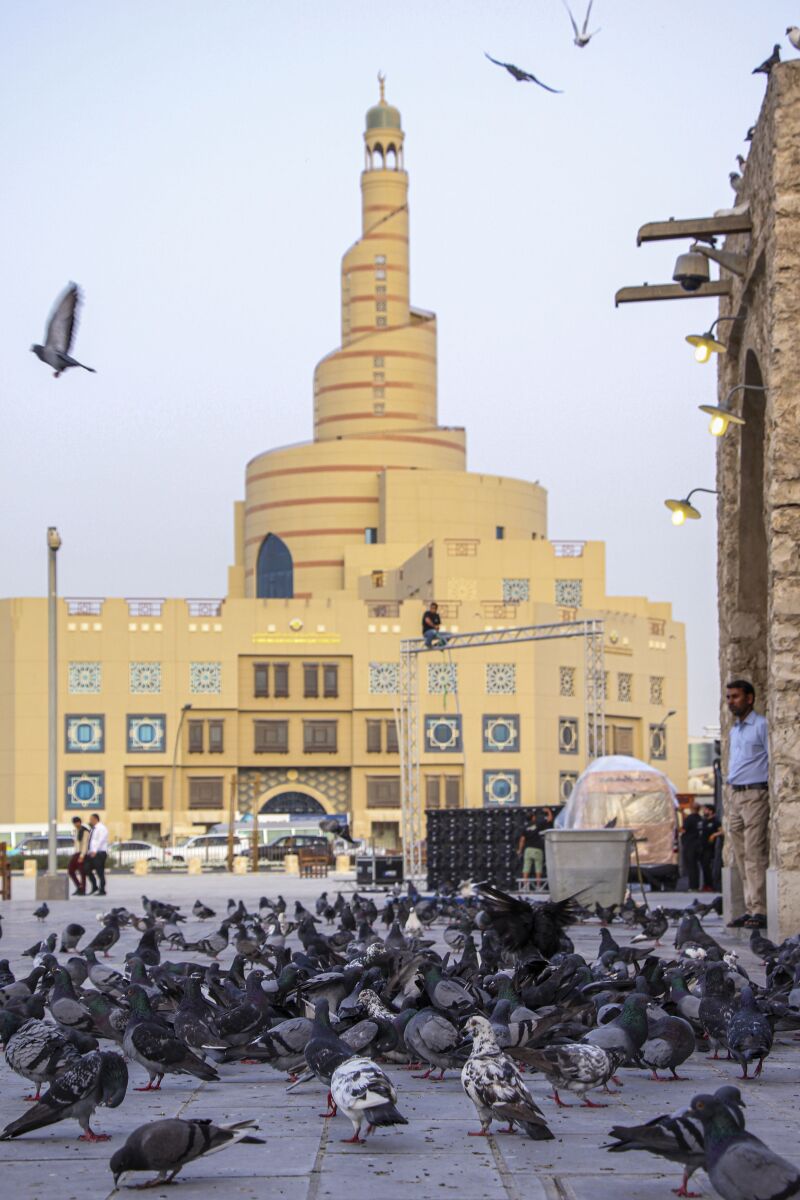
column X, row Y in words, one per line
column 430, row 627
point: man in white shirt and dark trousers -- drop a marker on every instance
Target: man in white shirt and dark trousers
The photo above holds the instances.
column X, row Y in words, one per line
column 96, row 855
column 747, row 803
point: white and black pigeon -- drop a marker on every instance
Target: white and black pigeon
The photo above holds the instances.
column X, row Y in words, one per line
column 363, row 1092
column 740, row 1165
column 770, row 62
column 575, row 1066
column 793, row 34
column 167, row 1146
column 495, row 1087
column 40, row 1052
column 582, row 38
column 98, row 1078
column 60, row 333
column 520, row 75
column 70, row 937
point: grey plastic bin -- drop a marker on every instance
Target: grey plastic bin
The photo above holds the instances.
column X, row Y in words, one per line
column 592, row 862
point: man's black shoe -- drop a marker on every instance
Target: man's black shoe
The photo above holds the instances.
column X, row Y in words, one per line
column 93, row 892
column 102, row 892
column 757, row 921
column 77, row 893
column 739, row 922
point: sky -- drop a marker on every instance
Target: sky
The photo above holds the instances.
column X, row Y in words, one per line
column 194, row 165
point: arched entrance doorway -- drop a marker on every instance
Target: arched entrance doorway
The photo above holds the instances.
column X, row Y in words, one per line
column 293, row 802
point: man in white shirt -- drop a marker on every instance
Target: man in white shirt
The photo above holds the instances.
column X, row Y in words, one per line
column 747, row 803
column 96, row 855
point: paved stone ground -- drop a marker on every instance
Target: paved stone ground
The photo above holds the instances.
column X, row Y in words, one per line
column 303, row 1158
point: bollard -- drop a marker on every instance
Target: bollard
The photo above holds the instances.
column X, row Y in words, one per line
column 240, row 864
column 29, row 868
column 194, row 866
column 141, row 867
column 342, row 863
column 291, row 864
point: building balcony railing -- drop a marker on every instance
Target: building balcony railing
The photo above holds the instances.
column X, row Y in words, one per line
column 568, row 549
column 205, row 608
column 145, row 608
column 498, row 611
column 449, row 609
column 462, row 547
column 84, row 606
column 387, row 609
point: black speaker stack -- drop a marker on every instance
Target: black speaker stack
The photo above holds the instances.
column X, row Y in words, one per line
column 476, row 844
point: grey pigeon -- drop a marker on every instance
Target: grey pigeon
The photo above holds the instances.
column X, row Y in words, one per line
column 582, row 38
column 749, row 1033
column 677, row 1136
column 627, row 1032
column 520, row 75
column 100, row 1077
column 158, row 1051
column 42, row 911
column 433, row 1039
column 70, row 937
column 670, row 1041
column 362, row 1092
column 60, row 334
column 740, row 1165
column 167, row 1146
column 494, row 1085
column 770, row 62
column 40, row 1052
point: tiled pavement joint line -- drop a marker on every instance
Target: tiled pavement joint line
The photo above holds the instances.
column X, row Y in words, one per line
column 315, row 1178
column 556, row 1188
column 506, row 1177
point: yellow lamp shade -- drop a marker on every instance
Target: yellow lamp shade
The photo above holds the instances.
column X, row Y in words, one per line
column 705, row 344
column 682, row 511
column 721, row 418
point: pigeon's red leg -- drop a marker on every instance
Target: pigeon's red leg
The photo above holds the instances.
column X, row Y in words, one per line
column 587, row 1103
column 91, row 1136
column 560, row 1103
column 654, row 1077
column 683, row 1189
column 616, row 1079
column 509, row 1128
column 355, row 1140
column 332, row 1110
column 759, row 1068
column 427, row 1074
column 478, row 1133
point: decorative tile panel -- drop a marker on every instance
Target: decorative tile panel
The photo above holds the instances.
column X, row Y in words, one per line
column 568, row 735
column 569, row 592
column 501, row 679
column 330, row 783
column 625, row 687
column 384, row 678
column 515, row 591
column 566, row 782
column 147, row 734
column 501, row 789
column 205, row 677
column 656, row 689
column 658, row 742
column 84, row 734
column 144, row 677
column 566, row 681
column 84, row 790
column 442, row 678
column 84, row 677
column 443, row 734
column 500, row 734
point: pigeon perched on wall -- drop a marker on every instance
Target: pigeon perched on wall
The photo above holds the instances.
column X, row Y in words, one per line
column 98, row 1078
column 770, row 62
column 520, row 75
column 60, row 334
column 495, row 1087
column 582, row 38
column 740, row 1165
column 167, row 1146
column 793, row 34
column 363, row 1092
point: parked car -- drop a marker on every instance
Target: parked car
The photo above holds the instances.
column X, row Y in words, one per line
column 290, row 844
column 208, row 847
column 125, row 854
column 36, row 847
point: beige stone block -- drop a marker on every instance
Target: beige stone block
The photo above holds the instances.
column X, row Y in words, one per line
column 783, row 903
column 342, row 863
column 240, row 864
column 194, row 866
column 141, row 867
column 291, row 864
column 29, row 867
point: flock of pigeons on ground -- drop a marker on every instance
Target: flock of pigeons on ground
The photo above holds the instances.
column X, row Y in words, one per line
column 365, row 992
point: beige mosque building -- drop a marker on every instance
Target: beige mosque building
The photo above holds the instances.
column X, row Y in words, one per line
column 283, row 696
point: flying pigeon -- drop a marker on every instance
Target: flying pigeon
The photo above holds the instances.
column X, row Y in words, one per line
column 495, row 1087
column 739, row 1165
column 100, row 1077
column 582, row 38
column 770, row 62
column 793, row 34
column 362, row 1092
column 59, row 336
column 166, row 1146
column 520, row 75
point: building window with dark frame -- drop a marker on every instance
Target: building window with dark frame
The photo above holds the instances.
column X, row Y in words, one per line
column 135, row 796
column 155, row 793
column 320, row 737
column 330, row 681
column 500, row 532
column 271, row 737
column 371, row 535
column 310, row 681
column 261, row 680
column 442, row 791
column 216, row 737
column 196, row 737
column 280, row 681
column 383, row 791
column 374, row 736
column 205, row 792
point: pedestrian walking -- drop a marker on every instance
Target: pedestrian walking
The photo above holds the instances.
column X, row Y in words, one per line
column 747, row 801
column 96, row 855
column 691, row 847
column 76, row 868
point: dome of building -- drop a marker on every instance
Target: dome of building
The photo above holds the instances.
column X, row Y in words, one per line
column 383, row 115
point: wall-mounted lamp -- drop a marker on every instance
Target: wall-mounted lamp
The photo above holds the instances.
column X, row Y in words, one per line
column 722, row 415
column 705, row 344
column 684, row 510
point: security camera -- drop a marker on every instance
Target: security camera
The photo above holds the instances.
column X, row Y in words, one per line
column 691, row 269
column 53, row 538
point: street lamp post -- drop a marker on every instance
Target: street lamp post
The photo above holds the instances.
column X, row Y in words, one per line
column 50, row 886
column 184, row 711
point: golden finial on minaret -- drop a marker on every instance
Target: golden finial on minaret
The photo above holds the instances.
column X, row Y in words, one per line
column 382, row 86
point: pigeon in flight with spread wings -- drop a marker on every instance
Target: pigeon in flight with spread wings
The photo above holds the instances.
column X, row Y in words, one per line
column 520, row 75
column 61, row 332
column 582, row 38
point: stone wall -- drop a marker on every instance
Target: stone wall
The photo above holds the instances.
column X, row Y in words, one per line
column 759, row 501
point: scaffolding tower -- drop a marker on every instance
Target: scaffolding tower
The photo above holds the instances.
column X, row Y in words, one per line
column 412, row 808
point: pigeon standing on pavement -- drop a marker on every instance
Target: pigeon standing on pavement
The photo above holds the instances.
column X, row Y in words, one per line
column 40, row 1052
column 362, row 1092
column 100, row 1077
column 740, row 1165
column 70, row 937
column 166, row 1146
column 495, row 1087
column 576, row 1066
column 670, row 1041
column 41, row 913
column 60, row 334
column 749, row 1033
column 151, row 1045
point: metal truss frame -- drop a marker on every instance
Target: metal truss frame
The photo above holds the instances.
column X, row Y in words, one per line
column 409, row 715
